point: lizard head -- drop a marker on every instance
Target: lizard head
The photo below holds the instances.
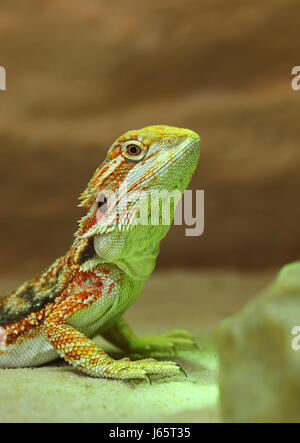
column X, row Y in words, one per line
column 154, row 158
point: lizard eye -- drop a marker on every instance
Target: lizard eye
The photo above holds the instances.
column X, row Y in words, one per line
column 134, row 151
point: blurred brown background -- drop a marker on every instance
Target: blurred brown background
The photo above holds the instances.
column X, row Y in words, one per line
column 81, row 73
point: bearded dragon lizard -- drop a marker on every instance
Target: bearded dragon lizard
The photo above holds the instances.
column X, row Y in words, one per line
column 85, row 292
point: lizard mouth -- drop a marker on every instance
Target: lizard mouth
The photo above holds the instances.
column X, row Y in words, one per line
column 188, row 149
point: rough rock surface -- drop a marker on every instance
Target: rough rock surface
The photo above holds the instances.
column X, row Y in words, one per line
column 259, row 368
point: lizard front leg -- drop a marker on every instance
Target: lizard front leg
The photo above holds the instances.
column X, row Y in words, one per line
column 121, row 335
column 86, row 356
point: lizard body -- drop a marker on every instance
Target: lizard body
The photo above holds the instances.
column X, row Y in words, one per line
column 86, row 292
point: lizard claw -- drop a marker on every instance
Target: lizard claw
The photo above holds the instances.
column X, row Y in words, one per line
column 182, row 370
column 147, row 377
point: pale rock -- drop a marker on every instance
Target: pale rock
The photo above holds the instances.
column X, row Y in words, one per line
column 259, row 369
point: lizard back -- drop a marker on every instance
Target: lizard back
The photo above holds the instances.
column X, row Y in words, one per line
column 36, row 293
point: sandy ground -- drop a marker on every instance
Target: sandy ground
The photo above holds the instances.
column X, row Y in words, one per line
column 176, row 299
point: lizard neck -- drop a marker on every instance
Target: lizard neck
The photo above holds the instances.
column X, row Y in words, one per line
column 134, row 250
column 138, row 264
column 138, row 268
column 141, row 265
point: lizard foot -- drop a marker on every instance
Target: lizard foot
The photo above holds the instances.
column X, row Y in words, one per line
column 169, row 343
column 141, row 369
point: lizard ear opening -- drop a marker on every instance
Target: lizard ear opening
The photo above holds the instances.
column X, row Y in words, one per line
column 101, row 205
